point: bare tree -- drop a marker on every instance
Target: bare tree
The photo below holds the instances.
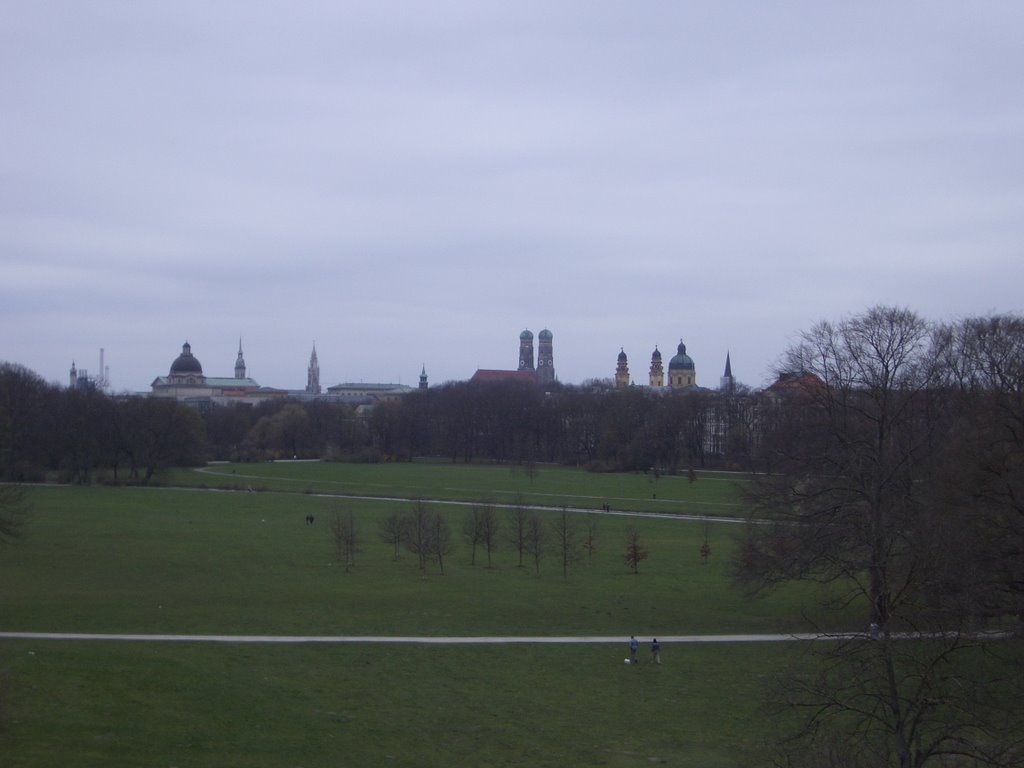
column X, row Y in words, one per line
column 565, row 530
column 590, row 536
column 345, row 535
column 472, row 529
column 419, row 532
column 859, row 445
column 480, row 527
column 535, row 540
column 635, row 551
column 440, row 539
column 518, row 519
column 392, row 531
column 427, row 535
column 489, row 529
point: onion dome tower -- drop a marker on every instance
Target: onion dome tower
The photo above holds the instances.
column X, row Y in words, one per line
column 681, row 372
column 622, row 371
column 526, row 351
column 545, row 357
column 657, row 371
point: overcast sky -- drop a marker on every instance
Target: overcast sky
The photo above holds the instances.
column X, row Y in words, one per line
column 414, row 183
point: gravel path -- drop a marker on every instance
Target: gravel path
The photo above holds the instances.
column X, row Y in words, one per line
column 421, row 640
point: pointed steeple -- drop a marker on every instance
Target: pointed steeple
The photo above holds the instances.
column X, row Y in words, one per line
column 240, row 362
column 313, row 374
column 727, row 383
column 423, row 377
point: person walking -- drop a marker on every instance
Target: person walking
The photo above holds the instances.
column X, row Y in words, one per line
column 633, row 647
column 655, row 651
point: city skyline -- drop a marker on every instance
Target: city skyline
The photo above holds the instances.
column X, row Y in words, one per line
column 408, row 185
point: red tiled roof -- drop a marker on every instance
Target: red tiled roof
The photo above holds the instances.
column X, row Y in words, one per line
column 486, row 375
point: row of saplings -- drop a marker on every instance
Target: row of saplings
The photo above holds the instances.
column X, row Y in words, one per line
column 425, row 533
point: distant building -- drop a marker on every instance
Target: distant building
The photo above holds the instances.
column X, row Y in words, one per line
column 186, row 382
column 240, row 363
column 727, row 383
column 526, row 351
column 490, row 375
column 80, row 379
column 622, row 370
column 371, row 392
column 682, row 373
column 545, row 357
column 657, row 374
column 313, row 374
column 681, row 370
column 542, row 373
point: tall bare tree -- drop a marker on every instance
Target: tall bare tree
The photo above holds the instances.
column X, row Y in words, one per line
column 418, row 532
column 427, row 535
column 346, row 538
column 392, row 531
column 535, row 540
column 856, row 443
column 440, row 539
column 590, row 536
column 472, row 530
column 480, row 528
column 635, row 551
column 490, row 527
column 518, row 520
column 566, row 538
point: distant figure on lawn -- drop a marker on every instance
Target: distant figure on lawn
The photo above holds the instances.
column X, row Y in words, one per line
column 633, row 647
column 310, row 519
column 655, row 651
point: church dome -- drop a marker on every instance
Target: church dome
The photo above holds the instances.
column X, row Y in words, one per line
column 185, row 362
column 681, row 361
column 656, row 355
column 526, row 336
column 545, row 335
column 622, row 356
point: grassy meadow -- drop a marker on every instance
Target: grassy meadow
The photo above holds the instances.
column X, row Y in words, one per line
column 711, row 493
column 195, row 560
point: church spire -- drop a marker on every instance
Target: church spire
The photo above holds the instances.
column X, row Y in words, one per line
column 727, row 384
column 313, row 374
column 240, row 362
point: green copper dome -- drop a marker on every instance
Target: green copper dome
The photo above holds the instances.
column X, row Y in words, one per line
column 186, row 362
column 681, row 361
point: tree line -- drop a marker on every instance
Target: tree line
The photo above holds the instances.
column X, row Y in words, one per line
column 46, row 428
column 76, row 432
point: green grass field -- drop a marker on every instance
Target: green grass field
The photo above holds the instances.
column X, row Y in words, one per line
column 712, row 493
column 176, row 561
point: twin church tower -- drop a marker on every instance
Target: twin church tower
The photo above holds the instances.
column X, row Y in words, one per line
column 545, row 370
